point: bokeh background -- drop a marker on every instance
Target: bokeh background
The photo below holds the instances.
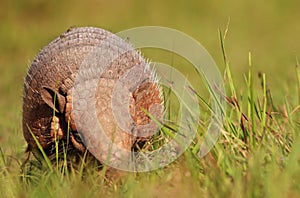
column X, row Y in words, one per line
column 269, row 29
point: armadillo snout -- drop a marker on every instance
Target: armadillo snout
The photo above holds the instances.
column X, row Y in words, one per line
column 146, row 103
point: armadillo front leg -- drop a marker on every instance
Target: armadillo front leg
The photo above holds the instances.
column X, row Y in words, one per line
column 66, row 88
column 69, row 117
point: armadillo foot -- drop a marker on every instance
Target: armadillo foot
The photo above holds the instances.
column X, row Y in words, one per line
column 56, row 131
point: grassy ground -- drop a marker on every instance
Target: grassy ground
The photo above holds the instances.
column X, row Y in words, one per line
column 258, row 153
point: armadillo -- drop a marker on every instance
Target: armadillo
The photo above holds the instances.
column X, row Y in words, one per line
column 83, row 66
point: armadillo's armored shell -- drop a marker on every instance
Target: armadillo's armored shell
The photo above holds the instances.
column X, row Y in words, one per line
column 89, row 77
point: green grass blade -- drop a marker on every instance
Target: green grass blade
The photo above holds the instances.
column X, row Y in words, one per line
column 48, row 162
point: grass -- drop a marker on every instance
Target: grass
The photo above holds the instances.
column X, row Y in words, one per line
column 257, row 155
column 258, row 152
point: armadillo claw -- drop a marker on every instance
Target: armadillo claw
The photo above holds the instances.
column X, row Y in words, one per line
column 79, row 146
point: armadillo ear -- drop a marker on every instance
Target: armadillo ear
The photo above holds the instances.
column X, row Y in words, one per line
column 53, row 99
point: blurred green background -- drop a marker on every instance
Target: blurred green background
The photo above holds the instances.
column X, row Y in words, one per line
column 269, row 29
